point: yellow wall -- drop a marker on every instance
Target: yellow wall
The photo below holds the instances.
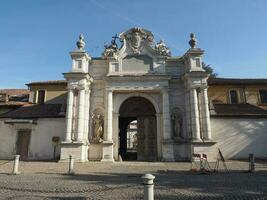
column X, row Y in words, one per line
column 220, row 93
column 54, row 94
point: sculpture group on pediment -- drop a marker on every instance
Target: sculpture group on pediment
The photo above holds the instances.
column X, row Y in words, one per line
column 98, row 127
column 177, row 123
column 112, row 48
column 162, row 48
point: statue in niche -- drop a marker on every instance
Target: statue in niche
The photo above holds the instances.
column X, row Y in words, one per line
column 98, row 127
column 177, row 124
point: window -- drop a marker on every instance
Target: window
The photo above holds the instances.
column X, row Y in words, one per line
column 233, row 96
column 79, row 64
column 41, row 96
column 263, row 96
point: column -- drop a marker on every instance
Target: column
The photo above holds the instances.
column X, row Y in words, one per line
column 81, row 115
column 206, row 115
column 87, row 113
column 107, row 144
column 109, row 115
column 188, row 115
column 194, row 115
column 166, row 115
column 69, row 116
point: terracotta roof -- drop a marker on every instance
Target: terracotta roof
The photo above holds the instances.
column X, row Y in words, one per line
column 236, row 81
column 237, row 110
column 35, row 111
column 15, row 91
column 57, row 82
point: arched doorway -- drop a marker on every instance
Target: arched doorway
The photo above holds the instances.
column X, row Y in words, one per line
column 137, row 130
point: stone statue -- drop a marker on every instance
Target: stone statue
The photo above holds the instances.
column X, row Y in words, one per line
column 177, row 123
column 98, row 128
column 162, row 48
column 112, row 48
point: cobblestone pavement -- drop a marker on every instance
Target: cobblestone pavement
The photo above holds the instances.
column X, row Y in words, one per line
column 121, row 181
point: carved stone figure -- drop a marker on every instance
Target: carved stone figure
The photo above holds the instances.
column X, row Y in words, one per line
column 112, row 48
column 98, row 127
column 177, row 123
column 162, row 48
column 135, row 39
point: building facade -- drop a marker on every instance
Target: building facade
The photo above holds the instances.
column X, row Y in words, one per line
column 138, row 81
column 137, row 102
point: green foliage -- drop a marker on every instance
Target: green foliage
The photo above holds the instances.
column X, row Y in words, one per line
column 210, row 70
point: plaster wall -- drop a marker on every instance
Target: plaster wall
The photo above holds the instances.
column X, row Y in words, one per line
column 40, row 146
column 55, row 94
column 8, row 137
column 237, row 137
column 248, row 93
column 41, row 138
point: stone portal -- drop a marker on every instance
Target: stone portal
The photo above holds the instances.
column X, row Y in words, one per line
column 143, row 112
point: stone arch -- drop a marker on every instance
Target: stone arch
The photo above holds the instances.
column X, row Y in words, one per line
column 137, row 107
column 136, row 94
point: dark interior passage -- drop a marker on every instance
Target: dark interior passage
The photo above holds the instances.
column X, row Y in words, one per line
column 139, row 140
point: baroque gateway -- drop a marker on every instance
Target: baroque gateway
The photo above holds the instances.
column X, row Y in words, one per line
column 136, row 102
column 166, row 96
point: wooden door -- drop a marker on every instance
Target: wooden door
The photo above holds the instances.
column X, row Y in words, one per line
column 151, row 138
column 147, row 138
column 141, row 139
column 23, row 142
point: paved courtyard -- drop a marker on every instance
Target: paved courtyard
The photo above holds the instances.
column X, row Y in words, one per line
column 121, row 181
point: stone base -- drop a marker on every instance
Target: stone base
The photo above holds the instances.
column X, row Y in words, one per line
column 107, row 151
column 15, row 173
column 204, row 147
column 79, row 151
column 167, row 151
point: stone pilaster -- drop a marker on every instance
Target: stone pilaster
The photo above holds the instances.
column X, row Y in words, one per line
column 167, row 147
column 109, row 115
column 107, row 145
column 86, row 115
column 69, row 116
column 81, row 108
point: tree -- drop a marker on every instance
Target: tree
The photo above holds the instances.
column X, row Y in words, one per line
column 210, row 70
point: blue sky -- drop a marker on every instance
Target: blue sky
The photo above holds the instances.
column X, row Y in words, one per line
column 36, row 36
